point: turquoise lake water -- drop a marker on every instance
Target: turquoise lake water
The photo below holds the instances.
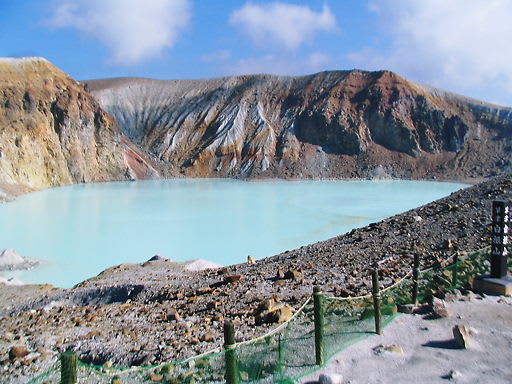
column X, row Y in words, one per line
column 80, row 230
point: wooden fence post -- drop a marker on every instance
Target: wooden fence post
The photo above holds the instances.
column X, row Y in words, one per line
column 455, row 270
column 68, row 362
column 231, row 374
column 415, row 277
column 376, row 301
column 319, row 325
column 279, row 366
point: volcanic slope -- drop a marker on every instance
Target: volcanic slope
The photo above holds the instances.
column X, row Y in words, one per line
column 327, row 125
column 53, row 132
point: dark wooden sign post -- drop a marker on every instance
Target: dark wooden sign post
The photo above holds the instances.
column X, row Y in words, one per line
column 498, row 281
column 499, row 242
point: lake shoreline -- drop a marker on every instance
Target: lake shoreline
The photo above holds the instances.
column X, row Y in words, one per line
column 9, row 192
column 103, row 224
column 102, row 329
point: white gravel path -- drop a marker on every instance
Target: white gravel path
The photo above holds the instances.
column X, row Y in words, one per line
column 430, row 354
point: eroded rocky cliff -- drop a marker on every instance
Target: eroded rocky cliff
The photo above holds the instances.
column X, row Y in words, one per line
column 331, row 124
column 53, row 132
column 327, row 125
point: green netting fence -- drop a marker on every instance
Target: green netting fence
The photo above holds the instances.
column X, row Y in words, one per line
column 287, row 353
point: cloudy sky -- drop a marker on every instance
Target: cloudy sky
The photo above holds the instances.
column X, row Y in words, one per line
column 460, row 45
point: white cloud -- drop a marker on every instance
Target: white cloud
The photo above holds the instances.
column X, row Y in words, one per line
column 216, row 56
column 458, row 44
column 319, row 60
column 282, row 24
column 134, row 30
column 281, row 64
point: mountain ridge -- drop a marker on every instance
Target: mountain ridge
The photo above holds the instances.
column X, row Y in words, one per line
column 333, row 124
column 53, row 132
column 100, row 83
column 326, row 113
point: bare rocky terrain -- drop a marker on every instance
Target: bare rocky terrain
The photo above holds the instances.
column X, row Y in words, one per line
column 340, row 124
column 420, row 349
column 53, row 132
column 138, row 314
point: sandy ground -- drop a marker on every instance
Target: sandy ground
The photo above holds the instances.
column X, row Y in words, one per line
column 430, row 354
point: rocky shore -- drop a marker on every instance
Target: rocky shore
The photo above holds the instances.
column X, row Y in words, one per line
column 12, row 260
column 140, row 314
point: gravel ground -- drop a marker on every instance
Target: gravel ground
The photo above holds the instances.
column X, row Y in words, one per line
column 139, row 314
column 425, row 351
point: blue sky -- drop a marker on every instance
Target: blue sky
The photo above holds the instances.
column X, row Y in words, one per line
column 459, row 45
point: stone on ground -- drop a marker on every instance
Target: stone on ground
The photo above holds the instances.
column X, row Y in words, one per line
column 439, row 308
column 462, row 335
column 331, row 378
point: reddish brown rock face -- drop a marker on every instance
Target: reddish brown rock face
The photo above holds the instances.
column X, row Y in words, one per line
column 52, row 132
column 332, row 124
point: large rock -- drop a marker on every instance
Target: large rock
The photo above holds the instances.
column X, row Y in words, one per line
column 293, row 274
column 172, row 315
column 11, row 260
column 462, row 335
column 330, row 378
column 439, row 308
column 156, row 377
column 231, row 279
column 279, row 315
column 18, row 351
column 269, row 311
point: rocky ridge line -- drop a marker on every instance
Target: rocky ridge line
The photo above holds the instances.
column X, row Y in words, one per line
column 52, row 132
column 338, row 124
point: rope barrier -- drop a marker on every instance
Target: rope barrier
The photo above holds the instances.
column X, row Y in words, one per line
column 473, row 260
column 280, row 327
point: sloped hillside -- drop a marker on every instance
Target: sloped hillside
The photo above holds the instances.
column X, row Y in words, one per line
column 327, row 125
column 331, row 124
column 52, row 132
